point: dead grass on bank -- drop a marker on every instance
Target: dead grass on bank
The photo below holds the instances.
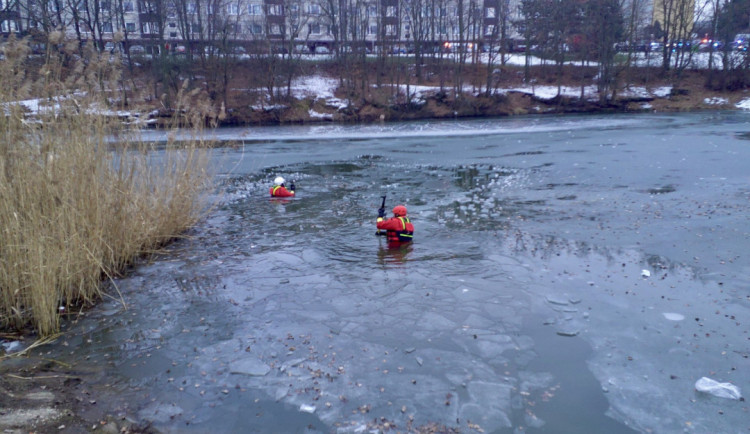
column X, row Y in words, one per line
column 75, row 209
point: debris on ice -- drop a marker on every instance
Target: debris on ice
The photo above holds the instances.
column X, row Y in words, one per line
column 721, row 390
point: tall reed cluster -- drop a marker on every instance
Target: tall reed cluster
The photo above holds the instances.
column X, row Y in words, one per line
column 77, row 205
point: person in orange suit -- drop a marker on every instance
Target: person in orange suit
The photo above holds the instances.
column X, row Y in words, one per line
column 279, row 189
column 399, row 229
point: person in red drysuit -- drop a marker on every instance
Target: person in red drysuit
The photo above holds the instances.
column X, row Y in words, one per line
column 279, row 190
column 399, row 228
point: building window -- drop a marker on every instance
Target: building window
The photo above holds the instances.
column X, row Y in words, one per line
column 390, row 29
column 233, row 9
column 372, row 29
column 275, row 10
column 149, row 28
column 9, row 26
column 275, row 29
column 128, row 6
column 195, row 28
column 172, row 34
column 489, row 12
column 490, row 29
column 391, row 11
column 315, row 28
column 148, row 6
column 191, row 8
column 255, row 29
column 254, row 9
column 107, row 27
column 130, row 27
column 314, row 9
column 372, row 11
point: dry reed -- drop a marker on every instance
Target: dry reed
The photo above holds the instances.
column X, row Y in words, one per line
column 74, row 207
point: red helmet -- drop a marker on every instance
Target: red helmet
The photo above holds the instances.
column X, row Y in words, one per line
column 399, row 211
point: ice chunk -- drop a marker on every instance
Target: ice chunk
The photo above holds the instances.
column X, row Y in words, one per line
column 645, row 273
column 307, row 408
column 673, row 316
column 159, row 412
column 721, row 390
column 252, row 367
column 281, row 393
column 557, row 300
column 11, row 346
column 291, row 363
column 489, row 406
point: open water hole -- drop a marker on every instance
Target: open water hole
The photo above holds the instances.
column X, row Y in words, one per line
column 522, row 306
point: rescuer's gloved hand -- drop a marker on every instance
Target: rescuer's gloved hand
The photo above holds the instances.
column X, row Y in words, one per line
column 381, row 213
column 291, row 187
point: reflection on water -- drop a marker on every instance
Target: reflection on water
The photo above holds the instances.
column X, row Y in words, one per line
column 394, row 254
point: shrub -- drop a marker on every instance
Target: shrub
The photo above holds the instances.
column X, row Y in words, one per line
column 81, row 197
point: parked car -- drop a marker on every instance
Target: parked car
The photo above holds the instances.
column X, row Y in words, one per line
column 302, row 48
column 137, row 49
column 707, row 44
column 518, row 47
column 680, row 45
column 112, row 48
column 741, row 41
column 655, row 46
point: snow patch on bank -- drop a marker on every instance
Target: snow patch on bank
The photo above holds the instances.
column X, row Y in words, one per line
column 716, row 101
column 315, row 86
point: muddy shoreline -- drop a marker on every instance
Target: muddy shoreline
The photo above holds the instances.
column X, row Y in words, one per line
column 513, row 103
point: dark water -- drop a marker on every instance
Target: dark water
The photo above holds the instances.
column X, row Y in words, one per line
column 522, row 305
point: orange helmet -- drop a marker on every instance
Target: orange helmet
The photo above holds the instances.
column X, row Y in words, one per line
column 399, row 211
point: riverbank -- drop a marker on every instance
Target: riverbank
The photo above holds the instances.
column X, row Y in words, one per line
column 318, row 99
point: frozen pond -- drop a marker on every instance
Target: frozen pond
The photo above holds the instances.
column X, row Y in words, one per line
column 568, row 275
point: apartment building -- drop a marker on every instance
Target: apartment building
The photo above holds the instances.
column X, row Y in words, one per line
column 250, row 23
column 10, row 17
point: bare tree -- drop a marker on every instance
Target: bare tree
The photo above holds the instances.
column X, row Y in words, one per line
column 45, row 15
column 603, row 23
column 676, row 23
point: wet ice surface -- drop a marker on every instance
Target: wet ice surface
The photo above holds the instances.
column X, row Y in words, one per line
column 522, row 301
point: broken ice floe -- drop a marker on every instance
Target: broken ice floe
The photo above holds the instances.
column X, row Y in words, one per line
column 252, row 367
column 645, row 273
column 556, row 300
column 673, row 316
